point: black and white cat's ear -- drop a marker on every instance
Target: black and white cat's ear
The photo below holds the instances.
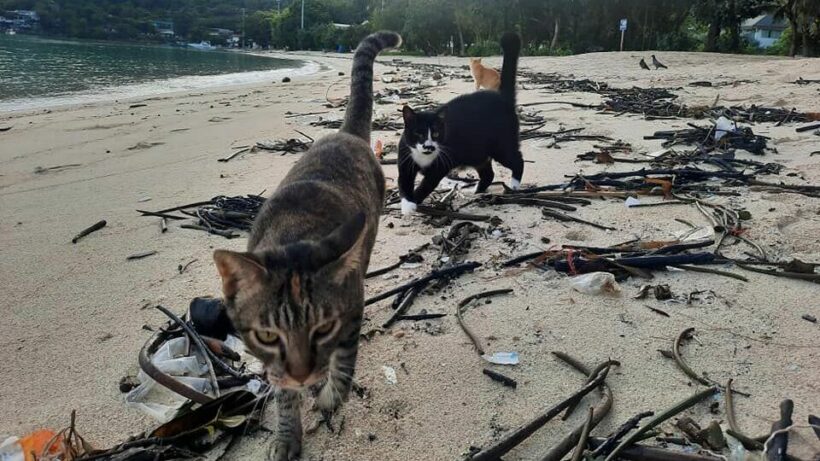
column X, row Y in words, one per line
column 441, row 113
column 239, row 271
column 409, row 115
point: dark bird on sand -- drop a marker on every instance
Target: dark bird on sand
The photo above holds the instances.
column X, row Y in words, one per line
column 657, row 63
column 643, row 64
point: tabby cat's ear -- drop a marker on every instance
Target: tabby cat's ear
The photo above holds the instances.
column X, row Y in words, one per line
column 239, row 271
column 409, row 115
column 352, row 259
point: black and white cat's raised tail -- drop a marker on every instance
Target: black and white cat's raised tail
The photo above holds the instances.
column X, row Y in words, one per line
column 471, row 130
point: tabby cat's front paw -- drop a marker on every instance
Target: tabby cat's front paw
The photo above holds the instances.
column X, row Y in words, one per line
column 407, row 207
column 329, row 400
column 288, row 449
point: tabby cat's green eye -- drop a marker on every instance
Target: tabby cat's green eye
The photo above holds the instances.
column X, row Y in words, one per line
column 324, row 328
column 267, row 337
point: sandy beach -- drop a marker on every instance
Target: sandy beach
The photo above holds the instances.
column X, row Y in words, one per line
column 72, row 323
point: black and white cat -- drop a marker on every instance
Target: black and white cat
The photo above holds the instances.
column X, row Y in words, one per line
column 471, row 130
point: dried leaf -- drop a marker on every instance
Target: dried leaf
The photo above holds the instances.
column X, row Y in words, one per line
column 604, row 157
column 665, row 184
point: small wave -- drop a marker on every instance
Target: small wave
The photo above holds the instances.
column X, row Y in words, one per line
column 158, row 87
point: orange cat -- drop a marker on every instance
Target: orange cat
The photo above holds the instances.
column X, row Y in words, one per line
column 484, row 76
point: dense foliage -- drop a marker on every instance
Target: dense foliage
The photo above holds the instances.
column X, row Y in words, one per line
column 443, row 26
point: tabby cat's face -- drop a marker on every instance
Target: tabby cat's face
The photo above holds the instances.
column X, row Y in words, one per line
column 291, row 321
column 424, row 134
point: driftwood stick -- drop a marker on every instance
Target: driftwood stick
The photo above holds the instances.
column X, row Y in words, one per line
column 232, row 156
column 185, row 207
column 519, row 435
column 563, row 447
column 565, row 217
column 498, row 377
column 161, row 215
column 685, row 334
column 436, row 274
column 93, row 228
column 582, row 442
column 624, row 429
column 430, row 211
column 807, row 127
column 464, row 302
column 748, row 442
column 592, row 375
column 707, row 270
column 405, row 304
column 789, row 275
column 674, row 410
column 224, row 233
column 644, row 453
column 573, row 104
column 402, row 259
column 529, row 201
column 778, row 445
column 523, row 258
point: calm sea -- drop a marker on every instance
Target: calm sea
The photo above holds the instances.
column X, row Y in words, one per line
column 40, row 72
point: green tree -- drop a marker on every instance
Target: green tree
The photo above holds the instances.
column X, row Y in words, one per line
column 258, row 27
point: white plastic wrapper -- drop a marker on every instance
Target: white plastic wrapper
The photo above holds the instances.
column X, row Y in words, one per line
column 154, row 399
column 595, row 283
column 723, row 126
column 502, row 358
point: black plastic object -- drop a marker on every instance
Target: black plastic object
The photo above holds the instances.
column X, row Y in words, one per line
column 210, row 318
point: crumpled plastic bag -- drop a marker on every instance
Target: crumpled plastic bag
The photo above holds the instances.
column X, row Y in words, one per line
column 595, row 283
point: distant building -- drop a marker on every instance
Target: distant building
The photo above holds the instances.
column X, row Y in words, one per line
column 216, row 32
column 763, row 30
column 164, row 28
column 19, row 20
column 26, row 15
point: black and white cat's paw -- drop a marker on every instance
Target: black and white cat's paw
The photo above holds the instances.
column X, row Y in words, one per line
column 515, row 184
column 285, row 449
column 408, row 207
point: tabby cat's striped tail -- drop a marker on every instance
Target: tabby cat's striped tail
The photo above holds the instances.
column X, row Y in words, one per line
column 359, row 115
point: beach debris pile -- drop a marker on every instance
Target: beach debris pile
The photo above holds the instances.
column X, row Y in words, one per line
column 658, row 103
column 219, row 216
column 192, row 380
column 724, row 134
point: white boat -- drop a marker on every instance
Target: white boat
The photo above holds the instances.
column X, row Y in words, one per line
column 11, row 32
column 203, row 45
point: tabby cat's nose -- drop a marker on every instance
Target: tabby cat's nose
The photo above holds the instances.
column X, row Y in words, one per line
column 299, row 372
column 300, row 376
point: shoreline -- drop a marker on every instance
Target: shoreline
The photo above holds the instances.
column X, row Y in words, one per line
column 169, row 87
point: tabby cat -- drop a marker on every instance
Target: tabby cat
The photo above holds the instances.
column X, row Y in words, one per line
column 471, row 130
column 297, row 295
